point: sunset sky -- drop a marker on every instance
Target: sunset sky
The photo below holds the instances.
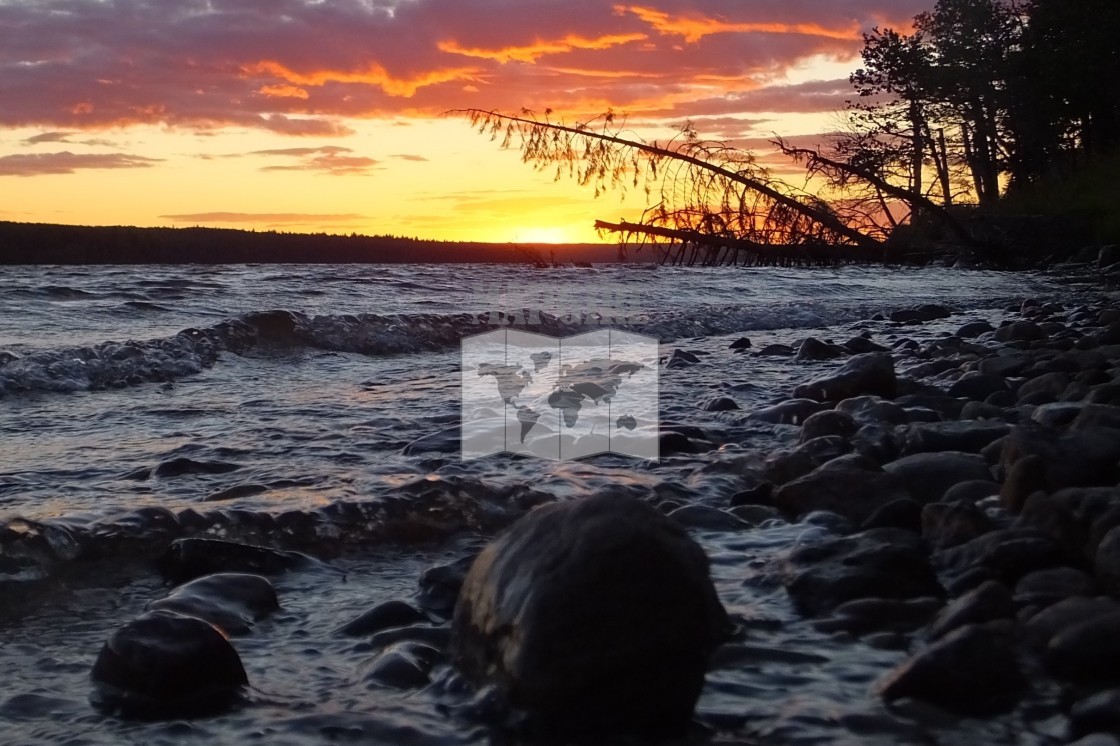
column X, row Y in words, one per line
column 327, row 115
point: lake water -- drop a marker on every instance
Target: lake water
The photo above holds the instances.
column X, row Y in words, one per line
column 299, row 388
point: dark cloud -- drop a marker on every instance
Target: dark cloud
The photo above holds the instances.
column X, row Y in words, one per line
column 65, row 162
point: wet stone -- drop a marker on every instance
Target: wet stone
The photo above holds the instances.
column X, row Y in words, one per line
column 972, row 671
column 404, row 665
column 163, row 666
column 1047, row 587
column 192, row 557
column 929, row 475
column 704, row 518
column 383, row 616
column 1098, row 712
column 820, row 577
column 1051, row 621
column 600, row 606
column 232, row 602
column 1087, row 651
column 987, row 602
column 869, row 373
column 719, row 404
column 440, row 586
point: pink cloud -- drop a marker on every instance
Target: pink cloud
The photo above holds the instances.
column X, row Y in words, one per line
column 302, row 68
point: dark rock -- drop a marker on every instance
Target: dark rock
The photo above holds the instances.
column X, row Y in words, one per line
column 681, row 358
column 440, row 586
column 707, row 518
column 760, row 494
column 1019, row 331
column 1026, row 477
column 1086, row 651
column 229, row 601
column 177, row 467
column 1106, row 562
column 1076, row 458
column 1046, row 624
column 404, row 665
column 946, row 524
column 1056, row 414
column 870, row 373
column 1077, row 518
column 860, row 345
column 1043, row 389
column 972, row 671
column 167, row 666
column 866, row 615
column 828, row 422
column 987, row 602
column 1047, row 587
column 776, row 350
column 1004, row 555
column 974, row 329
column 850, row 461
column 601, row 607
column 868, row 410
column 383, row 616
column 742, row 343
column 882, row 562
column 720, row 404
column 977, row 386
column 972, row 491
column 929, row 475
column 852, row 493
column 789, row 412
column 1092, row 415
column 901, row 513
column 967, row 436
column 190, row 558
column 449, row 440
column 1098, row 712
column 877, row 443
column 814, row 349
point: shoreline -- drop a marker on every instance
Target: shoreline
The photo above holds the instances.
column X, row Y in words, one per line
column 910, row 523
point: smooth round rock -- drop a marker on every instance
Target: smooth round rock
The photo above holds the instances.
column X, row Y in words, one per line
column 596, row 613
column 167, row 666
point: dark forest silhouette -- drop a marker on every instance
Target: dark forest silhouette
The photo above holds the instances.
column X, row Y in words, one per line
column 41, row 243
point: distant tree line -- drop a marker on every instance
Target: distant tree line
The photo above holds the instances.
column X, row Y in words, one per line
column 41, row 243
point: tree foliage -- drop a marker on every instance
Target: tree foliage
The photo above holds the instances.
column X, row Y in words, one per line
column 693, row 187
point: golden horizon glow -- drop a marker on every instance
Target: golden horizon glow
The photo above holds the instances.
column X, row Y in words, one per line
column 328, row 117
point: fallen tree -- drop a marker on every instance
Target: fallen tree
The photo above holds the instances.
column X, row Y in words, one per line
column 702, row 192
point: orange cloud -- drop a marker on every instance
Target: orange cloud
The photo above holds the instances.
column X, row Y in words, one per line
column 283, row 91
column 532, row 52
column 375, row 74
column 694, row 28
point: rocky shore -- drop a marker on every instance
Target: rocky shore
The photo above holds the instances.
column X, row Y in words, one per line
column 952, row 484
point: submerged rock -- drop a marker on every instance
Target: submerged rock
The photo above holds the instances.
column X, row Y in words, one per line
column 229, row 601
column 383, row 616
column 599, row 612
column 167, row 666
column 190, row 558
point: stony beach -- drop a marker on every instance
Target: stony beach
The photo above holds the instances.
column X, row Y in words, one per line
column 934, row 534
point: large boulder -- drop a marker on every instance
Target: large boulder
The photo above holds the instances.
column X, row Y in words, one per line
column 869, row 373
column 599, row 612
column 163, row 665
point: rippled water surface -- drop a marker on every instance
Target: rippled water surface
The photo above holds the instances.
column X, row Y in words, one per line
column 305, row 421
